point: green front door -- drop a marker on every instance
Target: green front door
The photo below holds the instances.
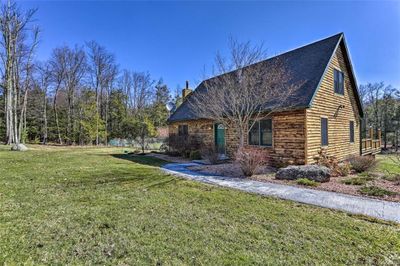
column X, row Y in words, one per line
column 220, row 138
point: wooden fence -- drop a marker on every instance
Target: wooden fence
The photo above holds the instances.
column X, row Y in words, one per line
column 370, row 145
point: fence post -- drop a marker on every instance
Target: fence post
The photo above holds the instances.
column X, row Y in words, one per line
column 379, row 137
column 371, row 136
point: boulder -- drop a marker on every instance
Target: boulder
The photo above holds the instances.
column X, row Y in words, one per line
column 313, row 172
column 19, row 147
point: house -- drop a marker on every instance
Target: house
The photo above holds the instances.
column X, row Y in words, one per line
column 325, row 111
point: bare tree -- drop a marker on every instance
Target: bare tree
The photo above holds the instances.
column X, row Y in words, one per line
column 58, row 70
column 103, row 71
column 43, row 82
column 138, row 86
column 75, row 69
column 252, row 92
column 17, row 54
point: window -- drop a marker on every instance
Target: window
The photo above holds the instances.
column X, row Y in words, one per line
column 352, row 131
column 338, row 81
column 324, row 131
column 183, row 130
column 261, row 133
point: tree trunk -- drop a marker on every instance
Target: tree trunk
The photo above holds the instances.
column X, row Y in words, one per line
column 56, row 117
column 44, row 141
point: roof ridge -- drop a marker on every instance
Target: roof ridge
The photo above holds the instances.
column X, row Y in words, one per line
column 324, row 48
column 266, row 59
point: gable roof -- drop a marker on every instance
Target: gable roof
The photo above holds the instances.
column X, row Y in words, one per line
column 306, row 65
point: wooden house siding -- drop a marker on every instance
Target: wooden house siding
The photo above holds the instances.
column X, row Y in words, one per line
column 326, row 104
column 202, row 130
column 288, row 137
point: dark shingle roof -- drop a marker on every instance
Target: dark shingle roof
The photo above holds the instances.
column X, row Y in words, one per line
column 306, row 65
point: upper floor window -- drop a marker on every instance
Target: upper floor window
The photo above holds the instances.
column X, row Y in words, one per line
column 352, row 131
column 324, row 131
column 261, row 133
column 338, row 81
column 183, row 130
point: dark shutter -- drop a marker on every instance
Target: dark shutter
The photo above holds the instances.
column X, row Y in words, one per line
column 352, row 131
column 324, row 131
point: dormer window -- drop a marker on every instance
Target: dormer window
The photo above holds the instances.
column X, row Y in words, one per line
column 338, row 77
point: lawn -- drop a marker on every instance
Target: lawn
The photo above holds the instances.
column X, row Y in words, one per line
column 101, row 206
column 388, row 164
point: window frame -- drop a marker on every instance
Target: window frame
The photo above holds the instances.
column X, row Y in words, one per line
column 338, row 82
column 351, row 132
column 323, row 144
column 258, row 125
column 185, row 130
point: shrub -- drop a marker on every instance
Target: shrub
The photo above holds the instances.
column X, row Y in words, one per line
column 362, row 163
column 325, row 160
column 337, row 169
column 249, row 160
column 183, row 144
column 357, row 181
column 343, row 169
column 164, row 148
column 307, row 182
column 210, row 153
column 282, row 163
column 375, row 191
column 195, row 155
column 173, row 153
column 393, row 178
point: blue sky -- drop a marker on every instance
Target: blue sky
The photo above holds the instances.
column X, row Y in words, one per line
column 178, row 40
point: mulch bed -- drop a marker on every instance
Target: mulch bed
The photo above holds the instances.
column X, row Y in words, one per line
column 267, row 174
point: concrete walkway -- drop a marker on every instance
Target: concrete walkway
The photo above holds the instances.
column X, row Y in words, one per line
column 385, row 210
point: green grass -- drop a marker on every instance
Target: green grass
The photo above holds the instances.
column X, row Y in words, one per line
column 375, row 191
column 307, row 182
column 101, row 206
column 357, row 181
column 388, row 164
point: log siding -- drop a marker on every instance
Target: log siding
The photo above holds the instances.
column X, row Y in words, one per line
column 339, row 109
column 297, row 134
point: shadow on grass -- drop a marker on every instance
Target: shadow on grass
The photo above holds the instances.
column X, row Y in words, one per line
column 139, row 178
column 141, row 159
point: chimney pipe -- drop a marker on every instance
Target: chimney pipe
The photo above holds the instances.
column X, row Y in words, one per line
column 186, row 91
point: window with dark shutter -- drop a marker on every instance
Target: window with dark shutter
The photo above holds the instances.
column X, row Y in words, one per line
column 352, row 131
column 324, row 131
column 338, row 78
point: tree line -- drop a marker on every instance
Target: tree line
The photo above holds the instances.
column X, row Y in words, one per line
column 78, row 96
column 382, row 111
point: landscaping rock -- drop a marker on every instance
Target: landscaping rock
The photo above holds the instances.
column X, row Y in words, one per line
column 19, row 147
column 312, row 172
